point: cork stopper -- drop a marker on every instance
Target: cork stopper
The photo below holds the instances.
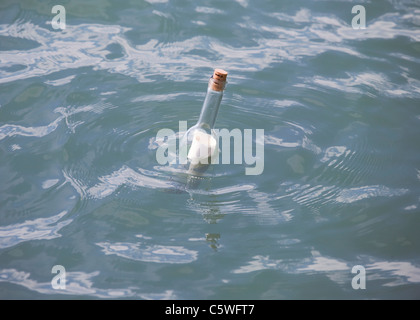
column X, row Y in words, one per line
column 218, row 80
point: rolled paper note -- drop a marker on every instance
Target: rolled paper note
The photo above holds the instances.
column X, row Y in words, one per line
column 202, row 148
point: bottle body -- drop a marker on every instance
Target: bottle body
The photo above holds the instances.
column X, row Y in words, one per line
column 201, row 140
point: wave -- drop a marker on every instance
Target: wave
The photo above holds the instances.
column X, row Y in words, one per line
column 31, row 230
column 149, row 253
column 391, row 273
column 80, row 284
column 75, row 48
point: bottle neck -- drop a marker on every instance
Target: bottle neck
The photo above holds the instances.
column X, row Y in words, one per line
column 211, row 104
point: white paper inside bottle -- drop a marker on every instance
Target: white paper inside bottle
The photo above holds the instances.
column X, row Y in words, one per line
column 202, row 147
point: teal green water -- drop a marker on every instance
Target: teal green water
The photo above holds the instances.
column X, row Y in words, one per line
column 80, row 185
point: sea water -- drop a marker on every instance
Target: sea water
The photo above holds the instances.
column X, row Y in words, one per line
column 82, row 194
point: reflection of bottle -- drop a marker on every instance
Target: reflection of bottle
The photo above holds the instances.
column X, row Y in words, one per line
column 201, row 140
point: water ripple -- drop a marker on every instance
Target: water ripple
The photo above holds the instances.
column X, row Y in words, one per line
column 78, row 283
column 377, row 81
column 127, row 176
column 292, row 135
column 365, row 192
column 10, row 130
column 38, row 229
column 149, row 253
column 394, row 273
column 75, row 48
column 314, row 196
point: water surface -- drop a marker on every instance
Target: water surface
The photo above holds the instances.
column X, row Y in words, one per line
column 80, row 185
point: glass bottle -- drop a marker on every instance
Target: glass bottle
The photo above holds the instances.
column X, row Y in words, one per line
column 199, row 143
